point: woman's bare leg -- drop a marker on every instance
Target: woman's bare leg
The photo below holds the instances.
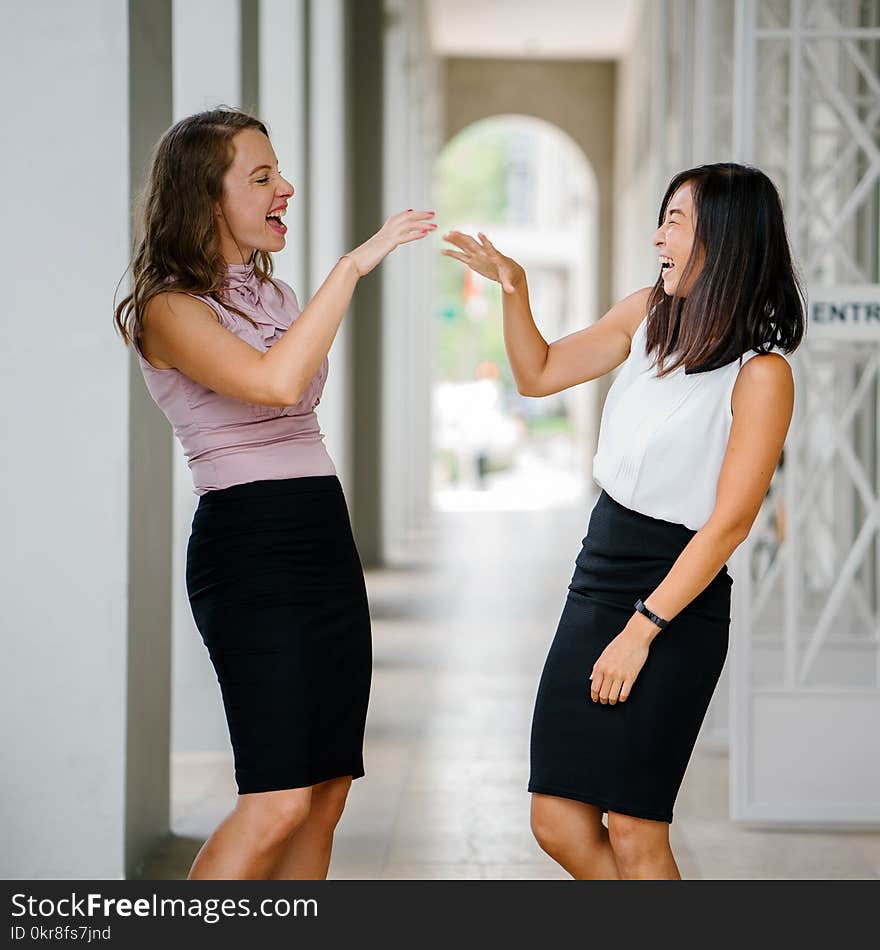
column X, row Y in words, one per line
column 573, row 835
column 306, row 855
column 249, row 841
column 641, row 847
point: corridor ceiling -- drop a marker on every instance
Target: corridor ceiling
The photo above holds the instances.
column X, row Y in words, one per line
column 553, row 29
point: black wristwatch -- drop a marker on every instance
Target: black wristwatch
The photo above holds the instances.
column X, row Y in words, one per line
column 642, row 609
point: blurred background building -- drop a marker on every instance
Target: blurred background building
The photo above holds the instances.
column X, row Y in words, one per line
column 555, row 130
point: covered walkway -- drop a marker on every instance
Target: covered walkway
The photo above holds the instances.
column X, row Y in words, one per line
column 459, row 640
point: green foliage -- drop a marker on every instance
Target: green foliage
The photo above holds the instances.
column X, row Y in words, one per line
column 546, row 426
column 471, row 176
column 463, row 341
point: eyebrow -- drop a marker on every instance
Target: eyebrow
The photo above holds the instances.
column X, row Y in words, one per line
column 258, row 169
column 675, row 211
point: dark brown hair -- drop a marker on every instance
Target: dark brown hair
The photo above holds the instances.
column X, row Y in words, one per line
column 180, row 247
column 746, row 295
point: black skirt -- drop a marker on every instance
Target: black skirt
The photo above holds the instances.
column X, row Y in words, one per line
column 629, row 757
column 277, row 593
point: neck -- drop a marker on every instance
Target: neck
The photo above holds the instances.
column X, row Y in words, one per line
column 237, row 258
column 233, row 254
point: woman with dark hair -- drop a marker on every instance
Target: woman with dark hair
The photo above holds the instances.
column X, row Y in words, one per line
column 273, row 576
column 691, row 432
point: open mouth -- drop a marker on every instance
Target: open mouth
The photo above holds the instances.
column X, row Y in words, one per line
column 666, row 266
column 276, row 224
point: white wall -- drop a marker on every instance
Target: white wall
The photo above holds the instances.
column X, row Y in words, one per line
column 64, row 398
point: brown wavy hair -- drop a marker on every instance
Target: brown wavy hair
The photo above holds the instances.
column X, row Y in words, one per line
column 747, row 295
column 180, row 247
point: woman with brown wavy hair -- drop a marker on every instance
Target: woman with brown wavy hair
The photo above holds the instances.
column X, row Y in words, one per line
column 691, row 432
column 273, row 576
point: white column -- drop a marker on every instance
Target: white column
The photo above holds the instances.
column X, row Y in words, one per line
column 395, row 282
column 207, row 73
column 411, row 133
column 283, row 106
column 64, row 386
column 425, row 147
column 328, row 203
column 207, row 58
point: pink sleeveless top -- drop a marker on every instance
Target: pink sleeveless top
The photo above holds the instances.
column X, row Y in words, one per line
column 226, row 441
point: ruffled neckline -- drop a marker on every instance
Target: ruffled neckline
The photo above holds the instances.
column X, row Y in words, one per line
column 244, row 289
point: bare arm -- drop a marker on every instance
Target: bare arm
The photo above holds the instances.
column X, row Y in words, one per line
column 762, row 402
column 540, row 368
column 183, row 332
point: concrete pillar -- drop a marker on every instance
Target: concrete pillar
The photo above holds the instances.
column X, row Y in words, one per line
column 365, row 49
column 75, row 690
column 250, row 56
column 207, row 72
column 410, row 145
column 328, row 215
column 283, row 105
column 207, row 55
column 150, row 502
column 423, row 148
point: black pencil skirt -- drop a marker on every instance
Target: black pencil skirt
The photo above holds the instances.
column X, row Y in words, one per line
column 629, row 757
column 277, row 593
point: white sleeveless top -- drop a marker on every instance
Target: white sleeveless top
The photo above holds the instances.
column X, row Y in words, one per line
column 662, row 441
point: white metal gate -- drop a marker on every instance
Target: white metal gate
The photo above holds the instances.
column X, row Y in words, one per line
column 805, row 645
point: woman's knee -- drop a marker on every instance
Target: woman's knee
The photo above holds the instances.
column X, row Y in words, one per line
column 546, row 831
column 276, row 815
column 636, row 839
column 554, row 827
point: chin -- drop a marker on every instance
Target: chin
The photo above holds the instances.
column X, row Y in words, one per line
column 272, row 247
column 670, row 289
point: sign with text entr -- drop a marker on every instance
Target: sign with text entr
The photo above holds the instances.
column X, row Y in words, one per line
column 844, row 312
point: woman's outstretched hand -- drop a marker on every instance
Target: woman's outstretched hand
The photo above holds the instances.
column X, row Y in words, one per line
column 398, row 229
column 483, row 257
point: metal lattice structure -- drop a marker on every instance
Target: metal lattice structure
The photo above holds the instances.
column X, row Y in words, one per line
column 806, row 633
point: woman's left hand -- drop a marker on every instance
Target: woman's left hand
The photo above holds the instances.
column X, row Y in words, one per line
column 618, row 666
column 483, row 257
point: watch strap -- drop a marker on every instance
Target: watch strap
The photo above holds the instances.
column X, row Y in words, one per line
column 642, row 609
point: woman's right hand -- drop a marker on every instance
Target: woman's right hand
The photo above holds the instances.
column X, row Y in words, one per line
column 484, row 258
column 398, row 229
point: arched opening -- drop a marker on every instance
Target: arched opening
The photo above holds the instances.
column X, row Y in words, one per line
column 529, row 186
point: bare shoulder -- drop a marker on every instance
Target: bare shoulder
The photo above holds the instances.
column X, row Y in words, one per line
column 633, row 309
column 172, row 304
column 168, row 316
column 766, row 381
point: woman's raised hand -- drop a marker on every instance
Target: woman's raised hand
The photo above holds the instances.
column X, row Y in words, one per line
column 484, row 258
column 398, row 229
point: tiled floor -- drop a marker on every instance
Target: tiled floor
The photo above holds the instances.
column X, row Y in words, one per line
column 459, row 642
